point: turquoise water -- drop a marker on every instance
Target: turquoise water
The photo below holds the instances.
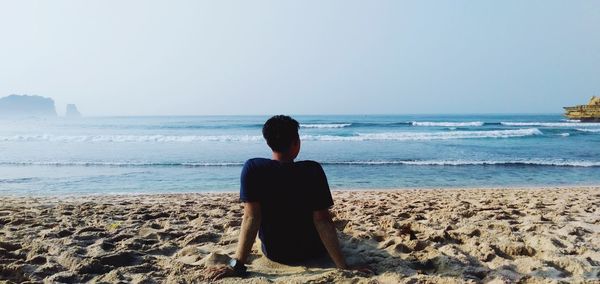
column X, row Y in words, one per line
column 205, row 153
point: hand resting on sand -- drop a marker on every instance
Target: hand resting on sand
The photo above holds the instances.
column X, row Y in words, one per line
column 365, row 269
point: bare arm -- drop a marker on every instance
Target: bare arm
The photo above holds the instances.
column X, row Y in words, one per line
column 326, row 229
column 250, row 225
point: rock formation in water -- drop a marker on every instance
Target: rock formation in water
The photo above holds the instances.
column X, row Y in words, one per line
column 27, row 106
column 72, row 111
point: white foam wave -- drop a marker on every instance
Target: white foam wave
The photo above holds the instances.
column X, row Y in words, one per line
column 121, row 164
column 326, row 125
column 559, row 163
column 565, row 134
column 593, row 130
column 551, row 124
column 533, row 162
column 418, row 136
column 447, row 124
column 397, row 136
column 130, row 138
column 516, row 162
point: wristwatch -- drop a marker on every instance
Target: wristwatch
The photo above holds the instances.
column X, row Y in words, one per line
column 238, row 267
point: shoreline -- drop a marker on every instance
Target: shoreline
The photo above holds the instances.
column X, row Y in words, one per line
column 501, row 235
column 383, row 190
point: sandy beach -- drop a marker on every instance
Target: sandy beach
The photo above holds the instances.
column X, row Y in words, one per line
column 534, row 235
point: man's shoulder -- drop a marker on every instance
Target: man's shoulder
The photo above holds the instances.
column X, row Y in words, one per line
column 257, row 163
column 309, row 164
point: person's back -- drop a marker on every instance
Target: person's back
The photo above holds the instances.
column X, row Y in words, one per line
column 288, row 194
column 287, row 201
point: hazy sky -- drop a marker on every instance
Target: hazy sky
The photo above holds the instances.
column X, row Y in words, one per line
column 302, row 57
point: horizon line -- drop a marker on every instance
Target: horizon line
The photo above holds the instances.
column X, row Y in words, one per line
column 330, row 114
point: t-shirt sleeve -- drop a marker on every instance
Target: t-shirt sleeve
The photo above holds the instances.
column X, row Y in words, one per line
column 322, row 195
column 248, row 184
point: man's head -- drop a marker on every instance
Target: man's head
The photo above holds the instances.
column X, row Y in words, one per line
column 281, row 133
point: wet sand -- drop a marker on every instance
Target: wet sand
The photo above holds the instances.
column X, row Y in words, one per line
column 534, row 235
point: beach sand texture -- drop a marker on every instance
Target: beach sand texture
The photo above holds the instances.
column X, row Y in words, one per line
column 541, row 235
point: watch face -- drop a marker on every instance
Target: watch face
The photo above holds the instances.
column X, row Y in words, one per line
column 233, row 262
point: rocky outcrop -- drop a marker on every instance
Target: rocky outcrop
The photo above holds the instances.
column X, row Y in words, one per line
column 72, row 111
column 27, row 106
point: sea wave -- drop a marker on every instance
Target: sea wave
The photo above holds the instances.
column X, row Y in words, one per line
column 326, row 125
column 17, row 180
column 593, row 130
column 516, row 162
column 532, row 162
column 384, row 136
column 130, row 138
column 551, row 124
column 121, row 164
column 420, row 136
column 447, row 124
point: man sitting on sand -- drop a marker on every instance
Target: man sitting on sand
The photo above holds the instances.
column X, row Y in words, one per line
column 287, row 203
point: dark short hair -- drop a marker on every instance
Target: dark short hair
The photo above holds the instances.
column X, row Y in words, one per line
column 281, row 131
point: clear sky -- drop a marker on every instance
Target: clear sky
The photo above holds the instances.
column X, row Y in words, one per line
column 302, row 57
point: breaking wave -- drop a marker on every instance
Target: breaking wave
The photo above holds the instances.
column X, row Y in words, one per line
column 326, row 125
column 131, row 138
column 517, row 162
column 123, row 164
column 447, row 124
column 551, row 124
column 386, row 136
column 556, row 163
column 593, row 130
column 419, row 136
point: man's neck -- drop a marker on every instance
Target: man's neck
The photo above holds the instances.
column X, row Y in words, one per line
column 282, row 157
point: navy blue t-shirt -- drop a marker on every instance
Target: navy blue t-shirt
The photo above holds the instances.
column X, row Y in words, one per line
column 288, row 194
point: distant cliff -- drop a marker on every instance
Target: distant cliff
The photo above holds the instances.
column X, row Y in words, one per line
column 27, row 106
column 72, row 111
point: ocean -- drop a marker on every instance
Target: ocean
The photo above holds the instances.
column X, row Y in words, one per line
column 170, row 154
